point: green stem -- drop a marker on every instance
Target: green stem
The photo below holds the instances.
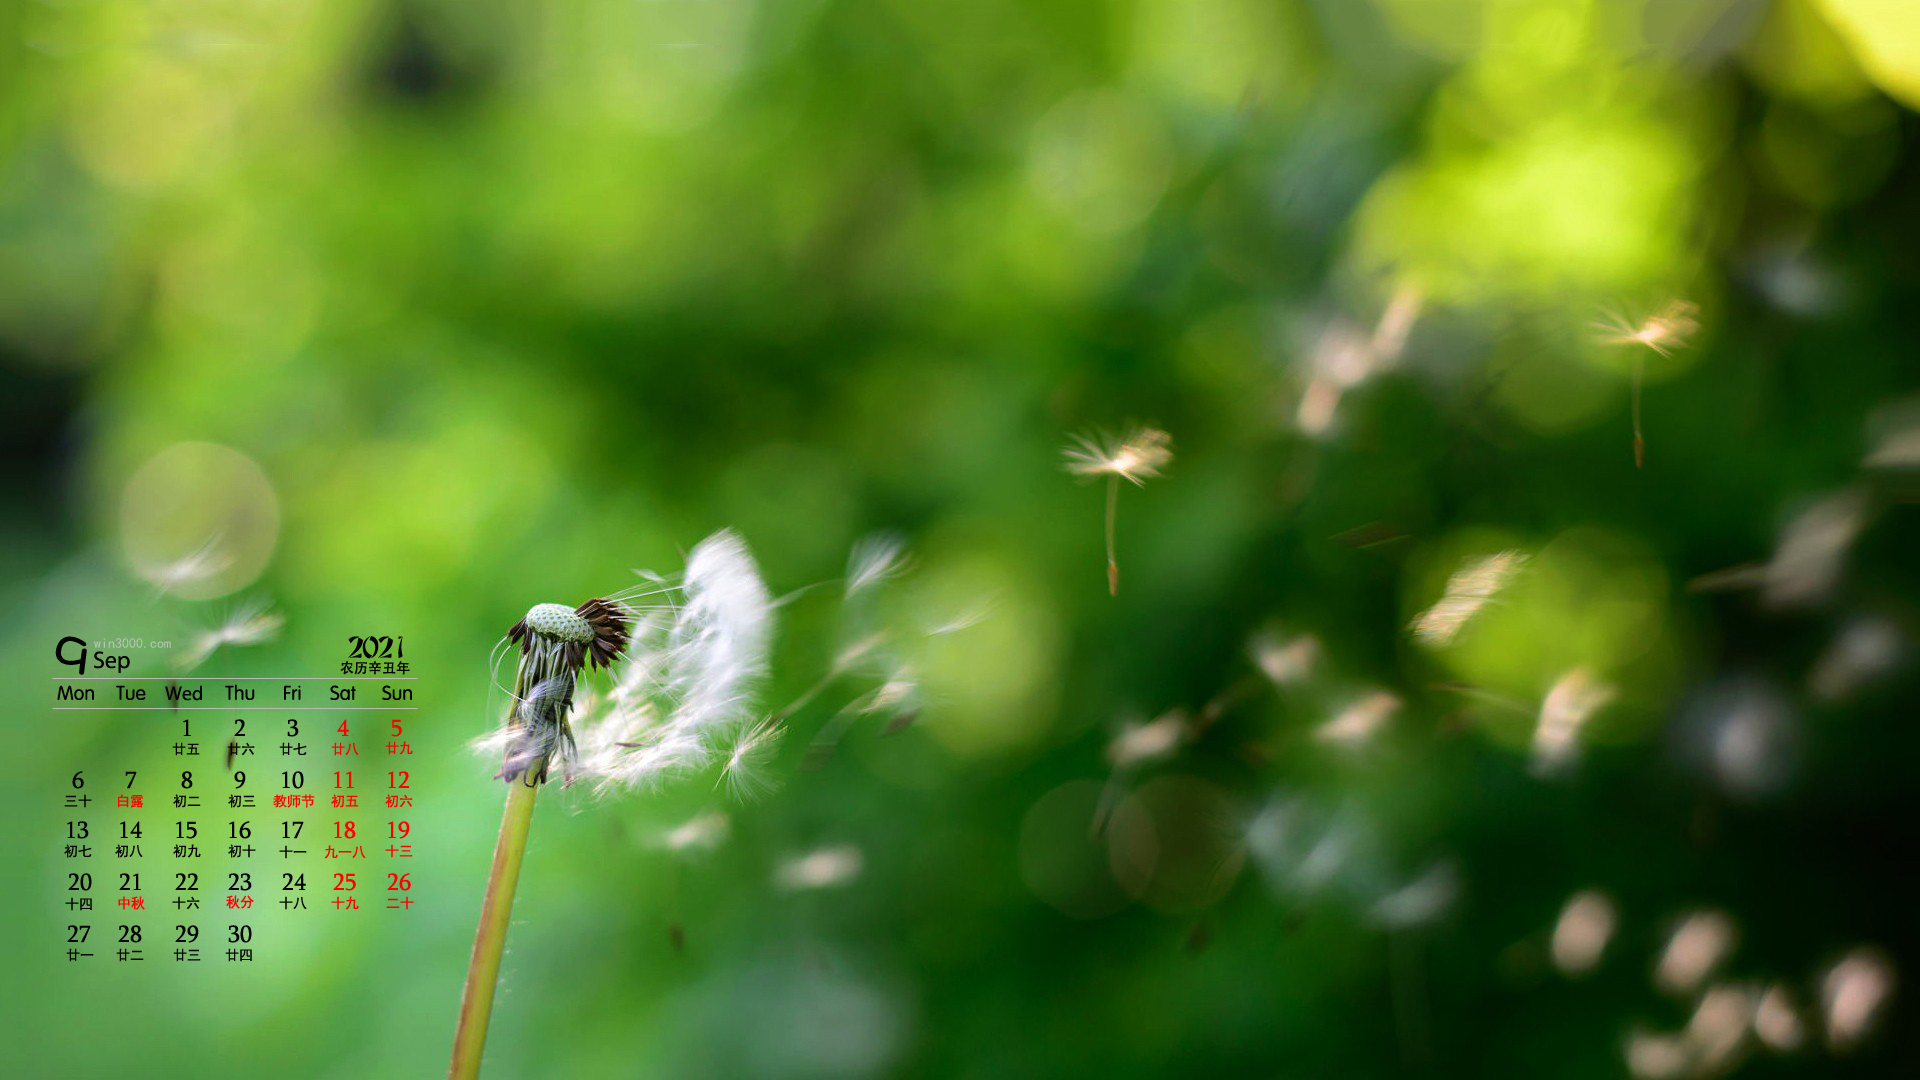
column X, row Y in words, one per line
column 483, row 970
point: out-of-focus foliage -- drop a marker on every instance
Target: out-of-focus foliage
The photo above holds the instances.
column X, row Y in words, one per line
column 1426, row 734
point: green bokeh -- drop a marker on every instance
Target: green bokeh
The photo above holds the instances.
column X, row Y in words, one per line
column 506, row 301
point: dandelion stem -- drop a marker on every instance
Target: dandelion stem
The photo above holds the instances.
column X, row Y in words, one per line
column 1113, row 565
column 483, row 970
column 1639, row 440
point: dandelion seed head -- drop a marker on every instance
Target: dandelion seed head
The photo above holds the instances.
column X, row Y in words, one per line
column 559, row 621
column 1135, row 458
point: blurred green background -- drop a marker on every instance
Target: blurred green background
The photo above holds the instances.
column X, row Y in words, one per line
column 490, row 304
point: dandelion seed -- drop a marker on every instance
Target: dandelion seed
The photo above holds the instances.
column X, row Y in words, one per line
column 1138, row 744
column 1718, row 1026
column 1468, row 590
column 1346, row 355
column 1285, row 661
column 1895, row 433
column 897, row 697
column 207, row 561
column 1396, row 322
column 745, row 769
column 820, row 869
column 1697, row 946
column 1662, row 333
column 1852, row 993
column 874, row 560
column 684, row 691
column 965, row 620
column 1569, row 704
column 1866, row 649
column 1580, row 936
column 703, row 832
column 1776, row 1020
column 1135, row 458
column 1656, row 1057
column 1357, row 724
column 1807, row 564
column 1419, row 901
column 251, row 624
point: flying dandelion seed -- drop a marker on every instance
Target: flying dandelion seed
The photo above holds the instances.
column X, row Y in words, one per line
column 1420, row 901
column 1776, row 1020
column 874, row 560
column 1138, row 744
column 703, row 832
column 1852, row 994
column 1866, row 649
column 1285, row 660
column 251, row 624
column 1346, row 355
column 1718, row 1026
column 1807, row 562
column 1358, row 723
column 1894, row 431
column 1813, row 550
column 822, row 868
column 1569, row 704
column 1656, row 1057
column 1580, row 936
column 1696, row 948
column 1662, row 333
column 207, row 561
column 745, row 767
column 1468, row 590
column 1136, row 458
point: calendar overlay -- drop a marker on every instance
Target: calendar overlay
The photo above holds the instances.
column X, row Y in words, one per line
column 226, row 809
